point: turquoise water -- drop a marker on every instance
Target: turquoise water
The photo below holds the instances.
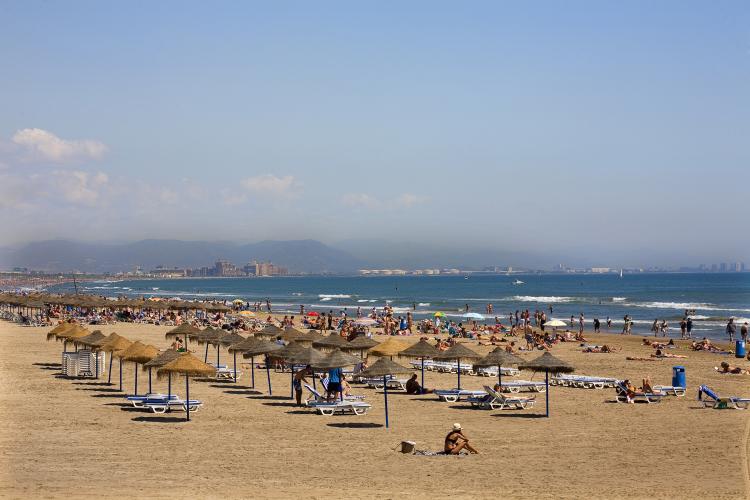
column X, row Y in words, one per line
column 645, row 297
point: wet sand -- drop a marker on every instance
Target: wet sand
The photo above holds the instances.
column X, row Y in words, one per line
column 77, row 438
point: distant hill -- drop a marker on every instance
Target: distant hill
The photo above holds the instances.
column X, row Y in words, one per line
column 62, row 255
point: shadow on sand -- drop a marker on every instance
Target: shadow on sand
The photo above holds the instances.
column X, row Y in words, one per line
column 355, row 425
column 53, row 365
column 160, row 420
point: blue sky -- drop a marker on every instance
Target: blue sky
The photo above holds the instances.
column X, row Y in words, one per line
column 609, row 129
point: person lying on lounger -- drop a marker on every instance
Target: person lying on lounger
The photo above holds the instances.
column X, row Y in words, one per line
column 456, row 441
column 727, row 368
column 661, row 354
column 647, row 387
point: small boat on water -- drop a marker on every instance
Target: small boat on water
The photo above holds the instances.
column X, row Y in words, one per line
column 518, row 282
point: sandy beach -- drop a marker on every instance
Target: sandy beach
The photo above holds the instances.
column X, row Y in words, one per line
column 77, row 438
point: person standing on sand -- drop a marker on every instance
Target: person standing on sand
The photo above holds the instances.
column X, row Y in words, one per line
column 299, row 379
column 731, row 329
column 581, row 323
column 597, row 325
column 689, row 327
column 743, row 332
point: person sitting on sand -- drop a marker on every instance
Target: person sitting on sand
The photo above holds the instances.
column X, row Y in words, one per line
column 413, row 387
column 735, row 370
column 661, row 354
column 456, row 441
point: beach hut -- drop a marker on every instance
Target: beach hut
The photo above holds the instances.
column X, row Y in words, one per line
column 190, row 366
column 385, row 367
column 115, row 343
column 361, row 344
column 548, row 363
column 499, row 357
column 161, row 360
column 139, row 353
column 458, row 352
column 420, row 350
column 389, row 348
column 336, row 359
column 265, row 348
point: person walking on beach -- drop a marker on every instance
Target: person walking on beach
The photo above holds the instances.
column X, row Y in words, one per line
column 655, row 327
column 609, row 323
column 689, row 327
column 597, row 325
column 743, row 332
column 580, row 324
column 683, row 328
column 731, row 329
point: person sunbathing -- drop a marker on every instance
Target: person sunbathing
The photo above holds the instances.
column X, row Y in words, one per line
column 630, row 390
column 456, row 441
column 735, row 370
column 661, row 354
column 647, row 387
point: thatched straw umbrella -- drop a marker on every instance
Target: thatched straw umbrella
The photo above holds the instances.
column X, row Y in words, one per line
column 114, row 344
column 265, row 348
column 61, row 328
column 291, row 334
column 307, row 356
column 337, row 359
column 548, row 363
column 161, row 360
column 183, row 330
column 361, row 344
column 499, row 357
column 209, row 336
column 384, row 367
column 269, row 330
column 190, row 366
column 421, row 350
column 333, row 341
column 286, row 353
column 139, row 353
column 91, row 341
column 228, row 340
column 458, row 352
column 246, row 344
column 389, row 348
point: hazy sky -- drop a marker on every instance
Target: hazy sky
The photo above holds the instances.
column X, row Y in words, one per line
column 601, row 128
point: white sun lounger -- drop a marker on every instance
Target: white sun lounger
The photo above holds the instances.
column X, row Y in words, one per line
column 714, row 401
column 491, row 371
column 346, row 406
column 317, row 397
column 137, row 401
column 583, row 381
column 493, row 400
column 670, row 390
column 453, row 395
column 163, row 405
column 644, row 397
column 394, row 384
column 522, row 385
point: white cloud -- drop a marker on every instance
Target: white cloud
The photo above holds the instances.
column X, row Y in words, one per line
column 270, row 184
column 80, row 187
column 360, row 200
column 364, row 200
column 408, row 200
column 47, row 146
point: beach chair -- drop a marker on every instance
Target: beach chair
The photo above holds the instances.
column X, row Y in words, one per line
column 493, row 400
column 670, row 390
column 714, row 401
column 394, row 384
column 137, row 401
column 317, row 397
column 453, row 395
column 643, row 397
column 224, row 372
column 163, row 405
column 516, row 386
column 347, row 406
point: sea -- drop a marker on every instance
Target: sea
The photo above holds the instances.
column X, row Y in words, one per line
column 711, row 298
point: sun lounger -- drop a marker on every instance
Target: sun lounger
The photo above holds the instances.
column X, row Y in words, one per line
column 644, row 397
column 163, row 405
column 224, row 372
column 137, row 401
column 453, row 395
column 714, row 401
column 346, row 406
column 522, row 385
column 315, row 396
column 394, row 384
column 493, row 400
column 583, row 381
column 670, row 390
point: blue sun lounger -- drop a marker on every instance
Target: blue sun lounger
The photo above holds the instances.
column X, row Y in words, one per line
column 137, row 401
column 714, row 401
column 163, row 405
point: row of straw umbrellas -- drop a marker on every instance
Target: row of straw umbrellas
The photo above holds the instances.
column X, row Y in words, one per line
column 301, row 349
column 40, row 301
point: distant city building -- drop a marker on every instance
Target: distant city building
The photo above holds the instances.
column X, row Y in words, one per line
column 600, row 270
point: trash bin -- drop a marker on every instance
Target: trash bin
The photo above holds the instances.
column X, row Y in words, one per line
column 739, row 349
column 678, row 376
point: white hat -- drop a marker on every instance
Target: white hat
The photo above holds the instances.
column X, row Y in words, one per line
column 457, row 427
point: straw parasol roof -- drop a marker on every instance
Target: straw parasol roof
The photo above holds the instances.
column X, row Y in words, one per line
column 92, row 338
column 307, row 356
column 59, row 329
column 186, row 364
column 115, row 343
column 458, row 351
column 291, row 334
column 390, row 347
column 332, row 341
column 500, row 357
column 162, row 359
column 547, row 362
column 244, row 345
column 75, row 333
column 289, row 351
column 360, row 343
column 384, row 367
column 182, row 330
column 261, row 347
column 139, row 353
column 421, row 349
column 231, row 339
column 337, row 359
column 99, row 343
column 209, row 335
